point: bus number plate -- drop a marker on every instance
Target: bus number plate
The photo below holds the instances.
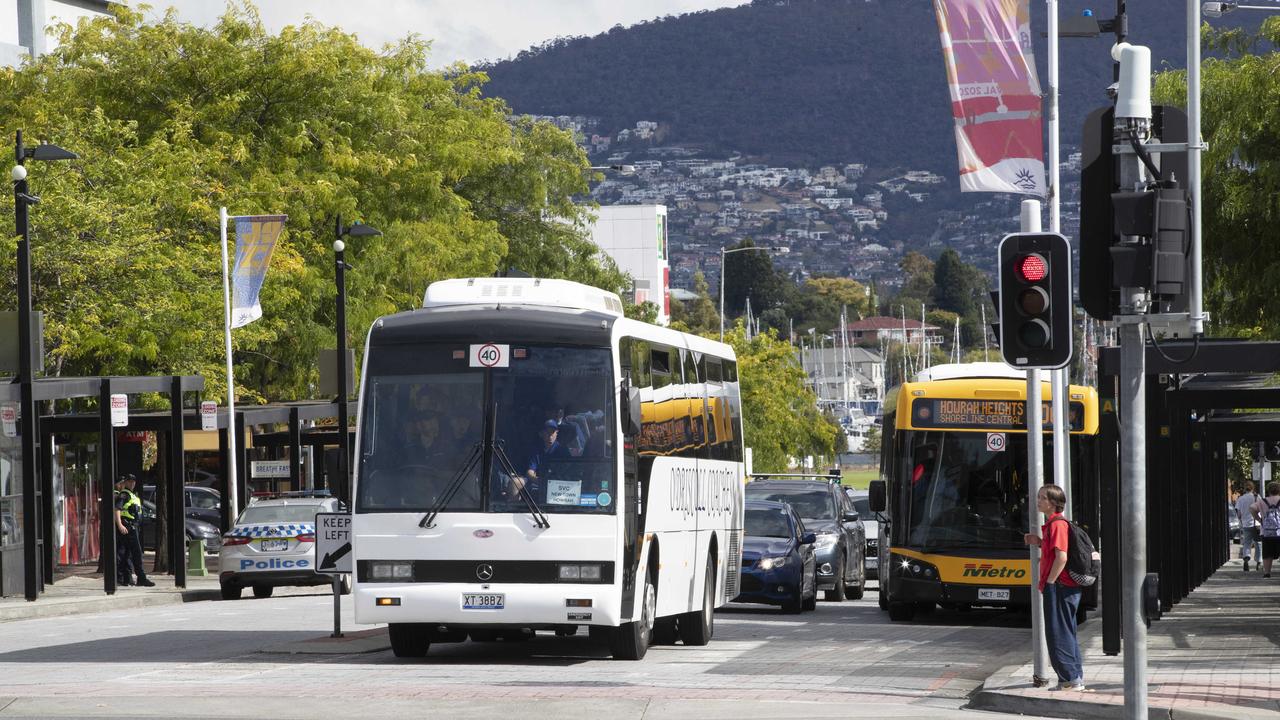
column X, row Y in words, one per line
column 992, row 594
column 483, row 601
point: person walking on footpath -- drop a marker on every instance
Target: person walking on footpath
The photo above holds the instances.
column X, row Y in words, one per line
column 1250, row 537
column 128, row 514
column 1061, row 594
column 1267, row 512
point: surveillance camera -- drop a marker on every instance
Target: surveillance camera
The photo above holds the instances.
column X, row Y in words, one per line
column 19, row 173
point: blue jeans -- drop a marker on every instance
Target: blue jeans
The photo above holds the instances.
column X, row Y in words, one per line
column 1250, row 537
column 1060, row 605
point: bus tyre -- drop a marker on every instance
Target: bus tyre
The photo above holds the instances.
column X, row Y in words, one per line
column 409, row 640
column 631, row 640
column 902, row 611
column 230, row 592
column 836, row 594
column 697, row 627
column 665, row 632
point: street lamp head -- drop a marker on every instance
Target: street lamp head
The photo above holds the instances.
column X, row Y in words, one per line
column 19, row 173
column 46, row 152
column 625, row 169
column 359, row 229
column 339, row 246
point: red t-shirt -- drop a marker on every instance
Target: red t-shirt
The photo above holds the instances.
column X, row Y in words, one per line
column 1054, row 536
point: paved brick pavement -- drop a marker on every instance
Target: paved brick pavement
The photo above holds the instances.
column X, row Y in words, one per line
column 1216, row 654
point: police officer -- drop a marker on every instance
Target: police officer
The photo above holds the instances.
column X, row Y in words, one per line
column 128, row 540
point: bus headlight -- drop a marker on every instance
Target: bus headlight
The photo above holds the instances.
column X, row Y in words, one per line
column 391, row 570
column 770, row 563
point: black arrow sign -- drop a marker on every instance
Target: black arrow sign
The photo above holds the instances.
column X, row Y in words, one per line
column 331, row 559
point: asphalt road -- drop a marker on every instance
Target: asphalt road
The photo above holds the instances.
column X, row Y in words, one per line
column 241, row 659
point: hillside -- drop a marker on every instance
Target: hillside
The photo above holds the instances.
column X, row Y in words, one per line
column 806, row 81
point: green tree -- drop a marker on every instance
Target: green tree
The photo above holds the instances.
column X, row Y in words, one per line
column 1241, row 171
column 751, row 275
column 917, row 286
column 698, row 315
column 780, row 413
column 173, row 121
column 818, row 302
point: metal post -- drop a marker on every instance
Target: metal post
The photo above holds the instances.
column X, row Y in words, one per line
column 233, row 497
column 1194, row 146
column 1057, row 378
column 1061, row 435
column 344, row 434
column 722, row 274
column 26, row 408
column 1133, row 469
column 337, row 607
column 177, row 486
column 106, row 495
column 1030, row 221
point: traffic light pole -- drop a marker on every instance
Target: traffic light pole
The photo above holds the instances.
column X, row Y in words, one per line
column 1035, row 470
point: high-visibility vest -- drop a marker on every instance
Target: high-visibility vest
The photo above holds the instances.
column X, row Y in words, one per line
column 131, row 506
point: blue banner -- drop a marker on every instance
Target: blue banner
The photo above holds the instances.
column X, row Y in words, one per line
column 255, row 241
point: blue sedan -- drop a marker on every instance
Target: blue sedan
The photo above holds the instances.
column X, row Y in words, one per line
column 778, row 562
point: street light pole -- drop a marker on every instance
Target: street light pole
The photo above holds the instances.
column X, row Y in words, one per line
column 22, row 200
column 340, row 279
column 724, row 252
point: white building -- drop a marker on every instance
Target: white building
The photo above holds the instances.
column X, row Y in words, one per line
column 635, row 236
column 23, row 25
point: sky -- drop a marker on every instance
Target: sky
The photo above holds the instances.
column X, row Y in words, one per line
column 467, row 30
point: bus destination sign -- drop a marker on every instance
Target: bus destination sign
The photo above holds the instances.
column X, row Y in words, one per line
column 985, row 414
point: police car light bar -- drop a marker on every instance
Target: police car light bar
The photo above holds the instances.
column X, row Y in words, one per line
column 521, row 291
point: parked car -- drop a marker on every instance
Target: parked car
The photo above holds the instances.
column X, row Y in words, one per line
column 779, row 565
column 841, row 538
column 196, row 529
column 871, row 526
column 273, row 544
column 1233, row 522
column 201, row 503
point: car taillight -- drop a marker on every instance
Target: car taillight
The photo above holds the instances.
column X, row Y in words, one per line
column 307, row 538
column 235, row 540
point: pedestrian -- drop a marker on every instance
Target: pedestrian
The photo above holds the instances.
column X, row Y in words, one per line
column 1249, row 530
column 1266, row 511
column 1061, row 594
column 128, row 516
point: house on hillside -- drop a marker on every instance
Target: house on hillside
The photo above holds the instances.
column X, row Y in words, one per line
column 872, row 330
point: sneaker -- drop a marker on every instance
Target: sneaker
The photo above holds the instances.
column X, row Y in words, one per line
column 1246, row 564
column 1073, row 685
column 145, row 582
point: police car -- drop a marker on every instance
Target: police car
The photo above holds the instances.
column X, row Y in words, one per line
column 273, row 544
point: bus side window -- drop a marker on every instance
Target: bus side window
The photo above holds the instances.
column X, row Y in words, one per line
column 734, row 427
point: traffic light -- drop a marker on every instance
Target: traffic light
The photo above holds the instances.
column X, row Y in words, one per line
column 1035, row 300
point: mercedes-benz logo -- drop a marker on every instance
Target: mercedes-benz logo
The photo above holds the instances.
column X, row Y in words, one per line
column 484, row 571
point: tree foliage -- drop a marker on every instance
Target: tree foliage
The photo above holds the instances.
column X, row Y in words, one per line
column 698, row 315
column 1241, row 171
column 173, row 121
column 818, row 302
column 780, row 413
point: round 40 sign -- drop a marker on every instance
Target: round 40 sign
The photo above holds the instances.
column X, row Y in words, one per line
column 490, row 355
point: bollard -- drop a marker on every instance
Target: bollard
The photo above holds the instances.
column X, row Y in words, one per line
column 195, row 558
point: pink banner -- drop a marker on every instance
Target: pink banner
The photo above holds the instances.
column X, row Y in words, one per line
column 995, row 95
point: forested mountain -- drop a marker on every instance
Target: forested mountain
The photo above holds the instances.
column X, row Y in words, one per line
column 806, row 81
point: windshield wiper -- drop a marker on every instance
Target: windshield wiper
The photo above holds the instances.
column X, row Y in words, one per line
column 538, row 517
column 428, row 521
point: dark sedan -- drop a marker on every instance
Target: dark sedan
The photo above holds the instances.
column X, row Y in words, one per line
column 841, row 539
column 779, row 566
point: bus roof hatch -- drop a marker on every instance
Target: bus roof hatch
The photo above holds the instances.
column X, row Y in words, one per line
column 521, row 291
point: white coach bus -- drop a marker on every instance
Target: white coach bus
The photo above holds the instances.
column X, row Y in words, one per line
column 530, row 459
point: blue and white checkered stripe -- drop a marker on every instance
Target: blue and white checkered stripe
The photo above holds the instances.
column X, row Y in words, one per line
column 274, row 530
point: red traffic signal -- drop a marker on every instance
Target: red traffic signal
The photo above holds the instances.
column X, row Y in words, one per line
column 1035, row 300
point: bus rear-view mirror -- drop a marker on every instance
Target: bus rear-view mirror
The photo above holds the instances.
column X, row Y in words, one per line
column 876, row 495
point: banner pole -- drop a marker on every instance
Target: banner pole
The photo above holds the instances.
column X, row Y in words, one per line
column 232, row 499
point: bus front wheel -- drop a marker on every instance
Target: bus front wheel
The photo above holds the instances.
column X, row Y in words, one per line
column 631, row 640
column 409, row 640
column 902, row 611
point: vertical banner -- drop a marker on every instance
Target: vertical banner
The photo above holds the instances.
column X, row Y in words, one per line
column 995, row 95
column 255, row 241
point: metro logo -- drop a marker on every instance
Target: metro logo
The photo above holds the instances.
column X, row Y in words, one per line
column 987, row 570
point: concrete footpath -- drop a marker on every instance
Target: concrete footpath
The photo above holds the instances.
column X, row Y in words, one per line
column 82, row 593
column 1215, row 655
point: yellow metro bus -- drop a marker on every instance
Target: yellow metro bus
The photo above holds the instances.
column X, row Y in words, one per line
column 953, row 486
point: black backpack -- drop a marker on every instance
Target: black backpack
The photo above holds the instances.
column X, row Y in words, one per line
column 1084, row 564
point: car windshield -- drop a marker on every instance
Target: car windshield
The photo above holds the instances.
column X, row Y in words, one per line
column 808, row 504
column 261, row 514
column 424, row 418
column 768, row 523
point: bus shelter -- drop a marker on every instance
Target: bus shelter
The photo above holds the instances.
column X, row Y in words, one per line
column 1194, row 397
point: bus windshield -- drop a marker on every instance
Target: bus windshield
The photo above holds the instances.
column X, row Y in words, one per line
column 959, row 493
column 422, row 433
